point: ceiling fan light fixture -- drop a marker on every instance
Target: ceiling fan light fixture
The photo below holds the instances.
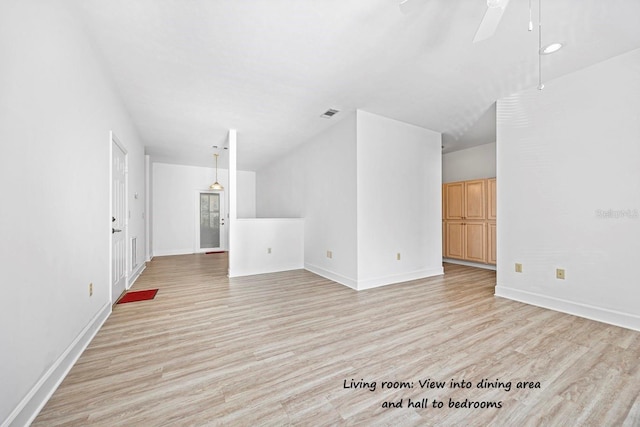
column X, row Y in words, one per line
column 491, row 19
column 551, row 48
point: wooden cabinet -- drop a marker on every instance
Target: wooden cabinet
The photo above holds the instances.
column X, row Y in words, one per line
column 444, row 242
column 469, row 215
column 453, row 200
column 492, row 214
column 475, row 199
column 454, row 238
column 491, row 243
column 466, row 240
column 491, row 199
column 475, row 240
column 465, row 200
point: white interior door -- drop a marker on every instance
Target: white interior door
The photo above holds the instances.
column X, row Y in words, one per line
column 209, row 233
column 118, row 220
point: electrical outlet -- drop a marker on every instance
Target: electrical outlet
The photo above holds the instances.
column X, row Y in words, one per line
column 90, row 289
column 560, row 273
column 518, row 267
column 398, row 256
column 329, row 254
column 268, row 250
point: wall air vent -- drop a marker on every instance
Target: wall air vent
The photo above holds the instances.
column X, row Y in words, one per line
column 329, row 113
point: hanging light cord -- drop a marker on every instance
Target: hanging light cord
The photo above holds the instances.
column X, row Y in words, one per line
column 540, row 85
column 216, row 167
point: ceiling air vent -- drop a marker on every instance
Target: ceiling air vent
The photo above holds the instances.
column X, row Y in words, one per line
column 329, row 113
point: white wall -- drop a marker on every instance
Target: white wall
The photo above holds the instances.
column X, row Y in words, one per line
column 56, row 111
column 137, row 226
column 246, row 194
column 318, row 182
column 280, row 187
column 564, row 154
column 266, row 245
column 470, row 163
column 175, row 190
column 333, row 181
column 148, row 203
column 399, row 201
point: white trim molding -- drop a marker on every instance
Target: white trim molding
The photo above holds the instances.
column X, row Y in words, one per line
column 169, row 252
column 599, row 314
column 375, row 282
column 469, row 264
column 34, row 401
column 244, row 273
column 327, row 274
column 399, row 278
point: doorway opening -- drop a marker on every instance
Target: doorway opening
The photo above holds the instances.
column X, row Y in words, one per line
column 209, row 233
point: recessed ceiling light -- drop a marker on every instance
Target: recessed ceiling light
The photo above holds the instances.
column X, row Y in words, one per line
column 551, row 48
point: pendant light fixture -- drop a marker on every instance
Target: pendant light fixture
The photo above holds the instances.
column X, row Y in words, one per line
column 216, row 185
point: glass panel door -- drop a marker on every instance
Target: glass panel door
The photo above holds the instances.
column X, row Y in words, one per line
column 209, row 220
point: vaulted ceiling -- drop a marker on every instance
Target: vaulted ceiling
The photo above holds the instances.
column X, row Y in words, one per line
column 189, row 70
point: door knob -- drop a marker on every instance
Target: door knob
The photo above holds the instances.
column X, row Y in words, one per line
column 115, row 230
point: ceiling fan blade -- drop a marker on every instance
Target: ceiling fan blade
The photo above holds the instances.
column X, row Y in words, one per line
column 490, row 21
column 410, row 6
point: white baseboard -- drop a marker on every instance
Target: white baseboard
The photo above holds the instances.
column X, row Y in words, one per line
column 136, row 273
column 243, row 273
column 469, row 264
column 170, row 252
column 327, row 274
column 373, row 282
column 34, row 401
column 399, row 278
column 599, row 314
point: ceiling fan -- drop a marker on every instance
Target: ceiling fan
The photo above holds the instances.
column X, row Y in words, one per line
column 488, row 25
column 491, row 19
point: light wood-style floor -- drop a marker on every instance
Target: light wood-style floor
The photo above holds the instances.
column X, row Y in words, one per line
column 276, row 349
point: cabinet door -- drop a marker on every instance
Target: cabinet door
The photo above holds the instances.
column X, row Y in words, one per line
column 444, row 200
column 454, row 247
column 491, row 243
column 444, row 240
column 475, row 241
column 491, row 190
column 454, row 200
column 475, row 199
